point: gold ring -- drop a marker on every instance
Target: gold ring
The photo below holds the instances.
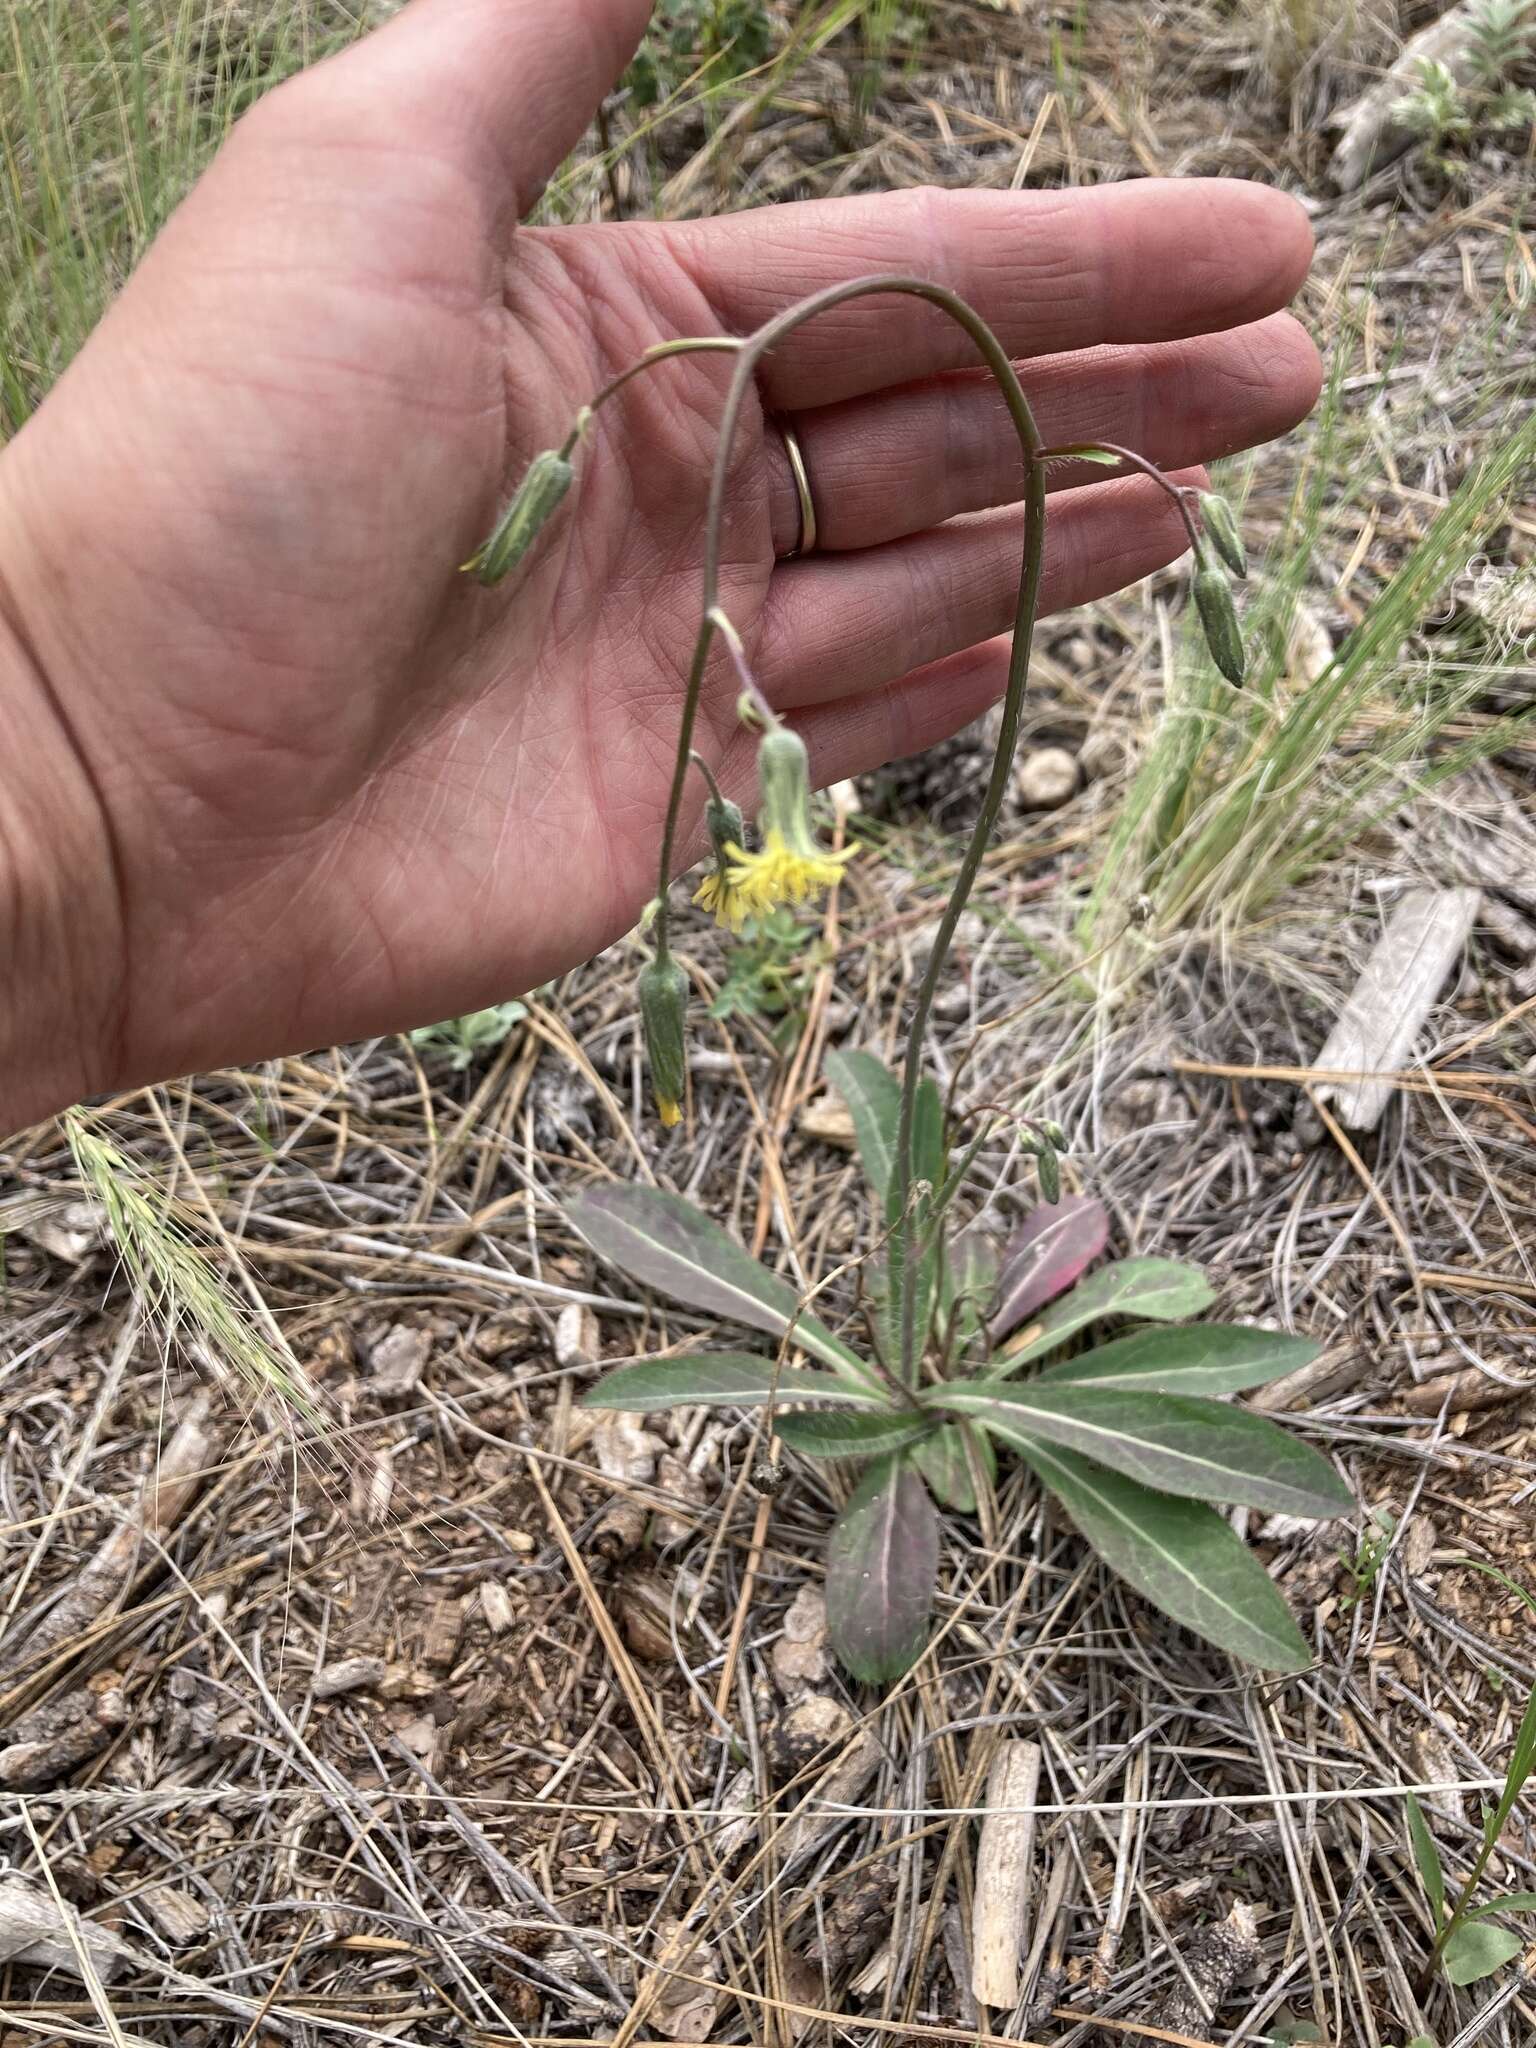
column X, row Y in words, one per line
column 805, row 540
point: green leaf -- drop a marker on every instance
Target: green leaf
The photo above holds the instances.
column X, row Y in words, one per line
column 1505, row 1902
column 1423, row 2041
column 942, row 1460
column 1522, row 1759
column 1427, row 1857
column 1477, row 1949
column 863, row 1435
column 882, row 1566
column 1204, row 1450
column 716, row 1379
column 1179, row 1555
column 967, row 1282
column 928, row 1158
column 873, row 1096
column 1207, row 1358
column 667, row 1243
column 1160, row 1290
column 929, row 1150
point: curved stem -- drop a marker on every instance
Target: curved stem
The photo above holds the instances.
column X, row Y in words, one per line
column 1179, row 493
column 688, row 345
column 997, row 360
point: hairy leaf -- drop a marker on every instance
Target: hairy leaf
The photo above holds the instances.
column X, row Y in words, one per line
column 1426, row 1856
column 1207, row 1358
column 942, row 1460
column 873, row 1096
column 928, row 1160
column 967, row 1284
column 882, row 1565
column 1477, row 1949
column 1178, row 1554
column 1055, row 1247
column 1204, row 1450
column 716, row 1379
column 668, row 1244
column 866, row 1434
column 1159, row 1290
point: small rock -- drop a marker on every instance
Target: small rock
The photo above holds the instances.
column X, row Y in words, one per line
column 1047, row 779
column 1102, row 753
column 179, row 1917
column 810, row 1729
column 348, row 1674
column 497, row 1606
column 829, row 1122
column 576, row 1337
column 70, row 1233
column 398, row 1360
column 799, row 1658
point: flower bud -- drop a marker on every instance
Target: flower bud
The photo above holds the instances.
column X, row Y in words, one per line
column 727, row 828
column 663, row 1009
column 1218, row 616
column 1220, row 523
column 1054, row 1135
column 784, row 778
column 535, row 502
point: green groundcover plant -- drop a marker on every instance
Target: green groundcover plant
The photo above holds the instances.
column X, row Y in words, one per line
column 1134, row 1439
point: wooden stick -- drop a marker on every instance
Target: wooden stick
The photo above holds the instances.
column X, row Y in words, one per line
column 1003, row 1865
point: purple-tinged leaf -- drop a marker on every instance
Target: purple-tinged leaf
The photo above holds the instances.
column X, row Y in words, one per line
column 882, row 1566
column 1053, row 1250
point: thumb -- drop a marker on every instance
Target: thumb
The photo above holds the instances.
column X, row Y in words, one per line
column 501, row 89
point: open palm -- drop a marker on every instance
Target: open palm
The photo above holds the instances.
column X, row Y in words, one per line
column 319, row 783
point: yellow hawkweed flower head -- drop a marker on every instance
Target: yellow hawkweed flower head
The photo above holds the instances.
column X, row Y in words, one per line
column 791, row 866
column 727, row 835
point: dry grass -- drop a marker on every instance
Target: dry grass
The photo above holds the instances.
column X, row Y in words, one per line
column 570, row 1799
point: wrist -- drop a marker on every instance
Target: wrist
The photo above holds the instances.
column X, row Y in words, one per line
column 61, row 935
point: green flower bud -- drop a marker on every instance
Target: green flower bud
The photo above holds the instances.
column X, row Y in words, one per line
column 1218, row 615
column 1054, row 1135
column 1220, row 523
column 534, row 504
column 727, row 828
column 784, row 777
column 663, row 1009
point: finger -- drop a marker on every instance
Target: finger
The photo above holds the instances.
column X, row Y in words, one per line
column 494, row 91
column 910, row 458
column 1154, row 260
column 834, row 627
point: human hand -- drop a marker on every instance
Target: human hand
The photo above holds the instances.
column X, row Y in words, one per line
column 276, row 774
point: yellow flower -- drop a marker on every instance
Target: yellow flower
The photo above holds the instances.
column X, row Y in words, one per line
column 723, row 900
column 781, row 873
column 791, row 866
column 669, row 1111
